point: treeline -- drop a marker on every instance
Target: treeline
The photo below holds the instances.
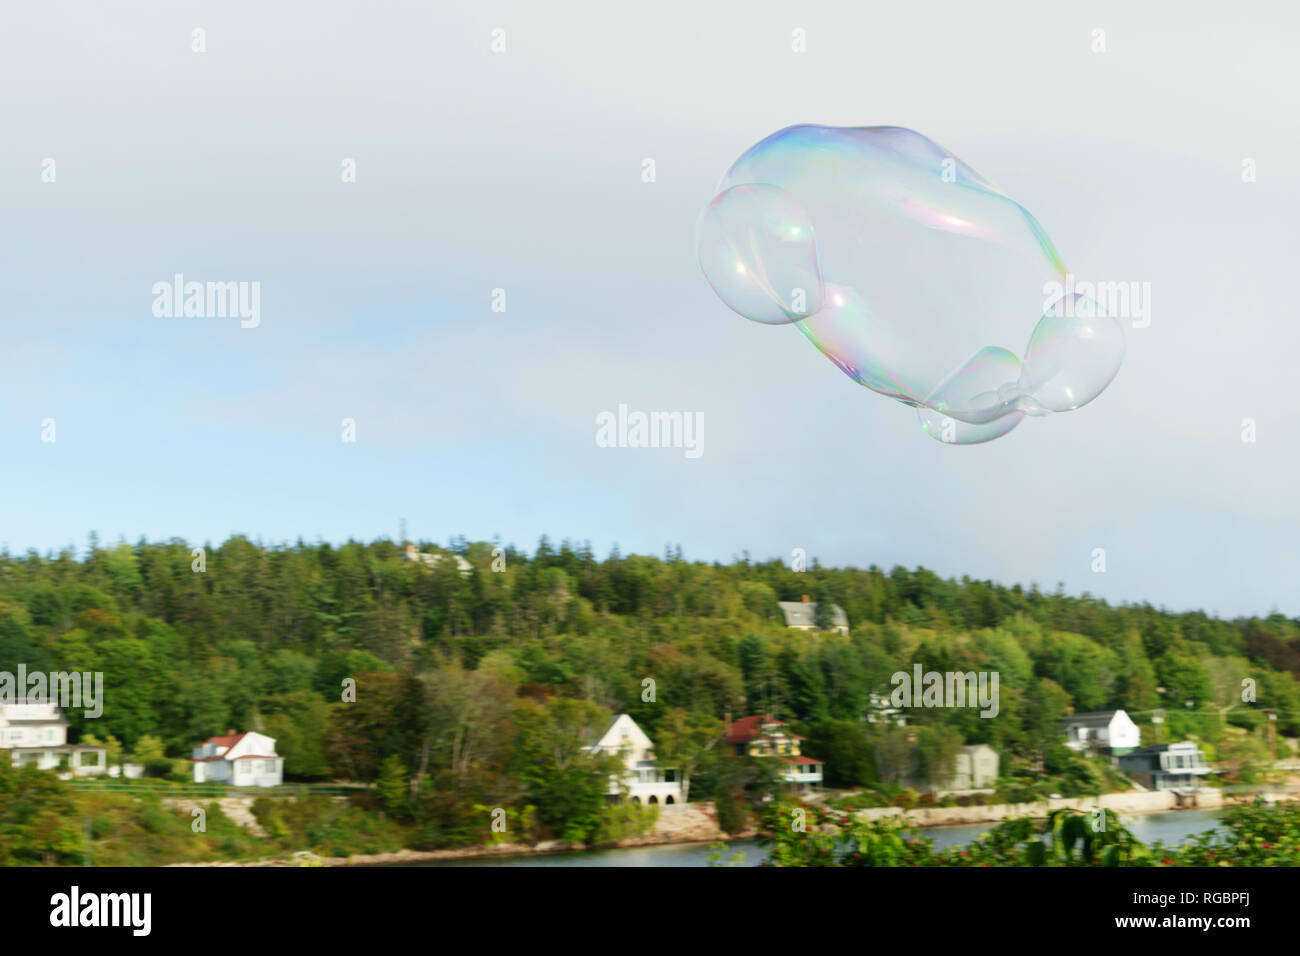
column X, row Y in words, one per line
column 479, row 680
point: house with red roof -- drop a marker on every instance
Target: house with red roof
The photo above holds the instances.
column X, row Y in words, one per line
column 762, row 735
column 241, row 760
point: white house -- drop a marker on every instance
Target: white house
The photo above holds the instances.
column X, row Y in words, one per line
column 1109, row 730
column 37, row 734
column 433, row 560
column 241, row 760
column 881, row 709
column 641, row 779
column 974, row 768
column 1179, row 766
column 802, row 615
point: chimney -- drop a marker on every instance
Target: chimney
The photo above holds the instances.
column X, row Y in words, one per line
column 805, row 599
column 726, row 725
column 230, row 732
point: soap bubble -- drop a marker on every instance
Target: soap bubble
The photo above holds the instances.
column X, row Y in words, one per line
column 758, row 252
column 1073, row 354
column 911, row 272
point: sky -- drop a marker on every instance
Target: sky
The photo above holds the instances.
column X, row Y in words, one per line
column 522, row 170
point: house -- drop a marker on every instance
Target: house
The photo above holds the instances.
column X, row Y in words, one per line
column 803, row 616
column 881, row 709
column 241, row 760
column 1178, row 766
column 974, row 768
column 36, row 734
column 763, row 735
column 433, row 560
column 641, row 780
column 1110, row 731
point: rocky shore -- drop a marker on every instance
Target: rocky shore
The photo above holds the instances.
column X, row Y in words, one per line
column 695, row 824
column 689, row 824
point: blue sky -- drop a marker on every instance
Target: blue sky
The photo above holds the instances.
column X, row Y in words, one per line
column 522, row 171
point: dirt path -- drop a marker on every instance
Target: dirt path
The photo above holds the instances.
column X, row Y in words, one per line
column 238, row 809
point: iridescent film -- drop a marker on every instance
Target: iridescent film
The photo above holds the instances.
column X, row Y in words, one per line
column 916, row 276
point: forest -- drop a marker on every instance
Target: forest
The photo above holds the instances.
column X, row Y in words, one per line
column 481, row 671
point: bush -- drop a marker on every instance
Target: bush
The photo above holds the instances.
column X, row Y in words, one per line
column 732, row 811
column 619, row 821
column 907, row 799
column 158, row 767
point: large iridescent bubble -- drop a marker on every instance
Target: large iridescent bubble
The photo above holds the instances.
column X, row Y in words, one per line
column 911, row 272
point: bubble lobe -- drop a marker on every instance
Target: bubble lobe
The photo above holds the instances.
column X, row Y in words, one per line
column 758, row 251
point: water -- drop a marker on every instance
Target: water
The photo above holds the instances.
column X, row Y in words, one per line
column 688, row 855
column 1169, row 827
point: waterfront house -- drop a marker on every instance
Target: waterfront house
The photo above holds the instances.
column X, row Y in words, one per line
column 1108, row 731
column 762, row 735
column 974, row 768
column 241, row 760
column 36, row 734
column 802, row 615
column 641, row 780
column 1179, row 766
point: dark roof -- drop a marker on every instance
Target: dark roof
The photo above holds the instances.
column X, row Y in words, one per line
column 1162, row 748
column 1094, row 718
column 804, row 614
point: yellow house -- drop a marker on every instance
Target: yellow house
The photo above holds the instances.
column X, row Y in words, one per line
column 763, row 735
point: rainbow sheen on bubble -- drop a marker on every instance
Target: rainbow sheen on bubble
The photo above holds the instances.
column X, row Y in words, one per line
column 911, row 272
column 759, row 253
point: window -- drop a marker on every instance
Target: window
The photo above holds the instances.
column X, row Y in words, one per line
column 269, row 766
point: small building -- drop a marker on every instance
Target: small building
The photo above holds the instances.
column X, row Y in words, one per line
column 881, row 709
column 241, row 760
column 762, row 735
column 802, row 615
column 642, row 780
column 36, row 734
column 1107, row 731
column 433, row 560
column 974, row 768
column 1178, row 766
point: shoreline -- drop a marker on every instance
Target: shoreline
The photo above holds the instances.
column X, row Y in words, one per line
column 923, row 819
column 477, row 852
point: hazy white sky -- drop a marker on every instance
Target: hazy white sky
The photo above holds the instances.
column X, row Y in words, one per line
column 521, row 170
